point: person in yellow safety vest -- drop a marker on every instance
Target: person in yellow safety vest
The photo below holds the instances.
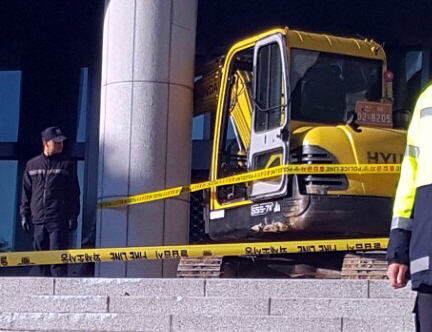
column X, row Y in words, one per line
column 410, row 245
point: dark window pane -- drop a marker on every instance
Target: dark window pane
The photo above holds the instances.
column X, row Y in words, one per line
column 262, row 87
column 275, row 89
column 269, row 88
column 198, row 127
column 83, row 103
column 10, row 95
column 77, row 236
column 269, row 159
column 8, row 218
column 413, row 80
column 326, row 86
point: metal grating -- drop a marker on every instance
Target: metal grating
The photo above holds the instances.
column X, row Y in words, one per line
column 197, row 233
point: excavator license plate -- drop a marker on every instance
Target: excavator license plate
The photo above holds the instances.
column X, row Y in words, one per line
column 374, row 114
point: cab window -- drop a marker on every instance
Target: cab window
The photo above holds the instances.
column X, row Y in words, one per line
column 269, row 88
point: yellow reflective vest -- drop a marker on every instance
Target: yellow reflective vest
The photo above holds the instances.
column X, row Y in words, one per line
column 411, row 227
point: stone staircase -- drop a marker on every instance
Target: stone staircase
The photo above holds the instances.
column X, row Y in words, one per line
column 197, row 305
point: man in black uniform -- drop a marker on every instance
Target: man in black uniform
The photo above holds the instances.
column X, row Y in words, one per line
column 50, row 198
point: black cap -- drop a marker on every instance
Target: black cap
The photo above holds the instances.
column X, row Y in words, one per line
column 53, row 133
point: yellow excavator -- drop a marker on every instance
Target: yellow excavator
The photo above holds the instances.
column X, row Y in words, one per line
column 292, row 97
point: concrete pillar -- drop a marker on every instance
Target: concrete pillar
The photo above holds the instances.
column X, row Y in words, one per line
column 145, row 126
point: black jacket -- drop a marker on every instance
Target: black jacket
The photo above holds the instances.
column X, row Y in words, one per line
column 50, row 191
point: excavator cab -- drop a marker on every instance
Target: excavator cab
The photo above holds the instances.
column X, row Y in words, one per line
column 287, row 97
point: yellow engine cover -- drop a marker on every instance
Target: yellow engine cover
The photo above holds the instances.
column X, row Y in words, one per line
column 366, row 145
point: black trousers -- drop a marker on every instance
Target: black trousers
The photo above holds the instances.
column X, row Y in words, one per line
column 51, row 236
column 423, row 312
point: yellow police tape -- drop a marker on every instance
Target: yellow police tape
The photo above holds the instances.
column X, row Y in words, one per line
column 173, row 252
column 253, row 176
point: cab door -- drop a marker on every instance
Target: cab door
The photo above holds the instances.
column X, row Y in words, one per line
column 269, row 134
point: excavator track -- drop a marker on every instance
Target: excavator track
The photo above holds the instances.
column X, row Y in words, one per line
column 364, row 265
column 356, row 265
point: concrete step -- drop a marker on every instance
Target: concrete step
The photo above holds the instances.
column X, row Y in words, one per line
column 216, row 306
column 179, row 305
column 194, row 323
column 53, row 304
column 83, row 322
column 293, row 288
column 289, row 324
